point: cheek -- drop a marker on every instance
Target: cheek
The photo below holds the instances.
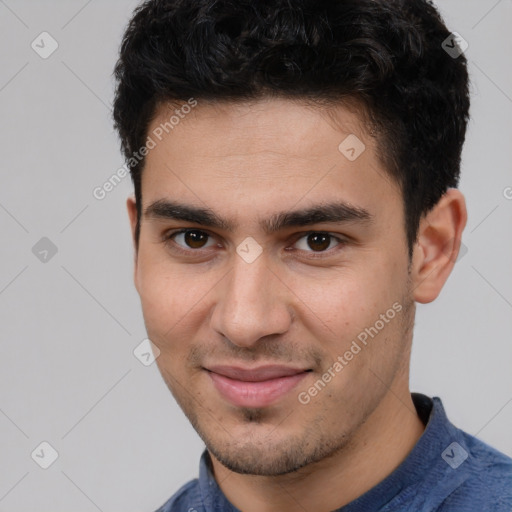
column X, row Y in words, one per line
column 343, row 299
column 339, row 307
column 167, row 297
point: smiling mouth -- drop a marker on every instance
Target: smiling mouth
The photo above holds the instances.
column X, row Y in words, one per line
column 255, row 387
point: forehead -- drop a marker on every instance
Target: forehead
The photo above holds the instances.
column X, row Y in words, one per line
column 273, row 153
column 289, row 126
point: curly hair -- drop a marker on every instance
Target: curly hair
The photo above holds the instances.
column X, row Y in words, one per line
column 386, row 55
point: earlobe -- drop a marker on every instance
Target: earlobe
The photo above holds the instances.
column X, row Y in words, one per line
column 437, row 246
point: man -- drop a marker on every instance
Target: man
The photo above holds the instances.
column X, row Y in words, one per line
column 295, row 166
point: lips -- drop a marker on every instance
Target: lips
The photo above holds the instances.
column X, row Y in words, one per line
column 255, row 387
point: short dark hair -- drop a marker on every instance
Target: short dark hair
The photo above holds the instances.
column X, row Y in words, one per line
column 386, row 55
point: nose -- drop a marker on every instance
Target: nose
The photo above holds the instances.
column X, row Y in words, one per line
column 252, row 303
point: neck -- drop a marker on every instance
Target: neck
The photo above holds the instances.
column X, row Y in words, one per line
column 374, row 452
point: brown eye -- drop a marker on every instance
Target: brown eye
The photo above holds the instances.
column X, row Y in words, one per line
column 195, row 239
column 190, row 239
column 319, row 241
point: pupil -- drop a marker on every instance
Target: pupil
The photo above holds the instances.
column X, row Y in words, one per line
column 321, row 240
column 195, row 239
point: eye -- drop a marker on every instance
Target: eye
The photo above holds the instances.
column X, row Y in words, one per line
column 317, row 241
column 188, row 239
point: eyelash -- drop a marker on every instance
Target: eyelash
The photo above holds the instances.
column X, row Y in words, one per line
column 168, row 239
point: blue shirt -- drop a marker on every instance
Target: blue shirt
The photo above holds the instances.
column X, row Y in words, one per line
column 447, row 471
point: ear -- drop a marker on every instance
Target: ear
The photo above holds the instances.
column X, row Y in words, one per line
column 132, row 214
column 437, row 246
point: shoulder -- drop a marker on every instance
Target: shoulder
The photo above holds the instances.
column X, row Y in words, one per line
column 485, row 479
column 186, row 499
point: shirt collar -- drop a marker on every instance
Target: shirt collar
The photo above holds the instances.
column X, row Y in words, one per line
column 212, row 496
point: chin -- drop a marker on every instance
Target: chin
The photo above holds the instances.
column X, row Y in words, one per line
column 270, row 454
column 261, row 461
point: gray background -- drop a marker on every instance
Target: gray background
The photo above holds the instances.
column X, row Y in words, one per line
column 69, row 325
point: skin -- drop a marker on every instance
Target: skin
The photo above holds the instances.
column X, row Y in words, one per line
column 207, row 305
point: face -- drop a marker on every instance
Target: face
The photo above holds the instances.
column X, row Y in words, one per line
column 273, row 276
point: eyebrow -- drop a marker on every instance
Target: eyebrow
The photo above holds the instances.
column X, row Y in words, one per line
column 333, row 212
